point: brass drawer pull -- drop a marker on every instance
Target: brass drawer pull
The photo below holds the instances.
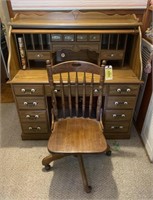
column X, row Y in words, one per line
column 118, row 115
column 29, row 91
column 33, row 90
column 96, row 90
column 116, row 127
column 94, row 38
column 56, row 90
column 23, row 90
column 30, row 103
column 121, row 103
column 32, row 116
column 119, row 90
column 32, row 128
column 39, row 55
column 128, row 90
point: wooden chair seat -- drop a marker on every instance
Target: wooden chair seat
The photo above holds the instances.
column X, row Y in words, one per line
column 77, row 135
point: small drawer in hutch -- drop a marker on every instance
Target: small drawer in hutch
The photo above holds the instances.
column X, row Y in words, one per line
column 38, row 55
column 94, row 37
column 112, row 54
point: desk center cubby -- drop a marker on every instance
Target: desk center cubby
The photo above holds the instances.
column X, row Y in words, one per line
column 34, row 49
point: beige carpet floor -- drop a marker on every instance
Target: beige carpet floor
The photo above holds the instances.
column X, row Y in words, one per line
column 126, row 175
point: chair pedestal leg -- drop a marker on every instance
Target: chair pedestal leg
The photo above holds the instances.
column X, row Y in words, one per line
column 48, row 159
column 83, row 173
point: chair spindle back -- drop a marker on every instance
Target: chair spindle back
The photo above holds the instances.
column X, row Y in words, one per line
column 76, row 88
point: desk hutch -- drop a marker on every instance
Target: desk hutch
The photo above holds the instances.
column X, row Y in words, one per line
column 76, row 35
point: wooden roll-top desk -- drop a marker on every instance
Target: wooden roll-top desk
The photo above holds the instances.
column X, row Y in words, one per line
column 61, row 36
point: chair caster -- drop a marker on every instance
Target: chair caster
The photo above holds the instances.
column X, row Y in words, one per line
column 109, row 153
column 88, row 189
column 47, row 167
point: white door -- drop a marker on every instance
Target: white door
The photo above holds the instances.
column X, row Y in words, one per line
column 147, row 130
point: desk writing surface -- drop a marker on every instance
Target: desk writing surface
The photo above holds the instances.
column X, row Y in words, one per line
column 40, row 76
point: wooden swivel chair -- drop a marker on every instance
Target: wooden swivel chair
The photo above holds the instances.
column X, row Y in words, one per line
column 77, row 127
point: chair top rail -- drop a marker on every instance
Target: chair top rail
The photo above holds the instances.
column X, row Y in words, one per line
column 76, row 66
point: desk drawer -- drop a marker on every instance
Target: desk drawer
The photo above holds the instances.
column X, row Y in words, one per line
column 33, row 115
column 48, row 89
column 123, row 89
column 118, row 115
column 43, row 55
column 31, row 102
column 112, row 54
column 120, row 102
column 73, row 90
column 116, row 127
column 89, row 46
column 88, row 37
column 28, row 90
column 40, row 127
column 94, row 37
